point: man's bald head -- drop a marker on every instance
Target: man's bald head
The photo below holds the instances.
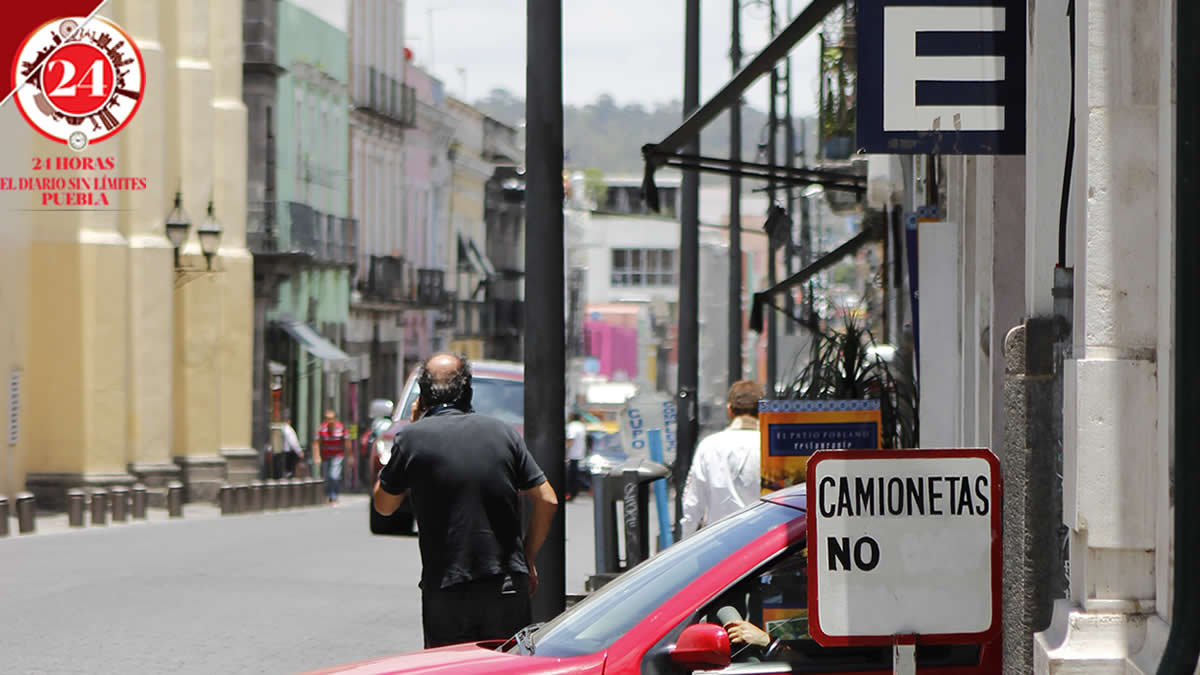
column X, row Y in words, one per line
column 445, row 378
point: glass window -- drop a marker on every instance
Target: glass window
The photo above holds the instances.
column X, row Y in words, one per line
column 668, row 267
column 609, row 613
column 775, row 598
column 636, row 263
column 619, row 270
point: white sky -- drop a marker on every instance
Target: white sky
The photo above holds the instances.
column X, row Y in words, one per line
column 630, row 49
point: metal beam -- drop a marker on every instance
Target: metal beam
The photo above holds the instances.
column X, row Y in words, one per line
column 778, row 48
column 828, row 260
column 782, row 175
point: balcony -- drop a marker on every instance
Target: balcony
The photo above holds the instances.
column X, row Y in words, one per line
column 325, row 237
column 385, row 278
column 472, row 319
column 431, row 288
column 385, row 97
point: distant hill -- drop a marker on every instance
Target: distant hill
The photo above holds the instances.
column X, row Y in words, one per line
column 603, row 135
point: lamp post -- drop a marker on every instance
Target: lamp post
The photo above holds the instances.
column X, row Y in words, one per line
column 210, row 237
column 177, row 225
column 209, row 234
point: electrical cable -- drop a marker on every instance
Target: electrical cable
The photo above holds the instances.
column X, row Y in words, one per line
column 1067, row 164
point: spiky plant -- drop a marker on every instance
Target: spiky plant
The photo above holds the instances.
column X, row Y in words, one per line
column 841, row 367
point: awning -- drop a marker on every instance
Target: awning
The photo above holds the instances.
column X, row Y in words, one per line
column 468, row 251
column 314, row 344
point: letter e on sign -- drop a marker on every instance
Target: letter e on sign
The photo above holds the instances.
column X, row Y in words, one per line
column 941, row 77
column 884, row 567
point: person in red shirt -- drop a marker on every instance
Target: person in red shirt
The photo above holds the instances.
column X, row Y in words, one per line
column 333, row 442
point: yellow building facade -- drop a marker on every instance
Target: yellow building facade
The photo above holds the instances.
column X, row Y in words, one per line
column 128, row 368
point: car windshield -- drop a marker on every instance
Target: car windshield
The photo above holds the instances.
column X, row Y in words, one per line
column 597, row 621
column 502, row 399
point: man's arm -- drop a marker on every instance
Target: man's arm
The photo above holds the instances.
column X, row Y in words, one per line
column 695, row 497
column 385, row 502
column 545, row 503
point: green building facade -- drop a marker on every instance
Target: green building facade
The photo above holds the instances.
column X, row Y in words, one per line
column 311, row 170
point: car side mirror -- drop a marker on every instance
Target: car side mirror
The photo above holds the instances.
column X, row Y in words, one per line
column 703, row 646
column 380, row 407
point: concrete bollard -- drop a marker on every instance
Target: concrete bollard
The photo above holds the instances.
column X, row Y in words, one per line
column 241, row 493
column 140, row 500
column 3, row 516
column 270, row 494
column 175, row 499
column 225, row 499
column 25, row 513
column 75, row 501
column 99, row 506
column 120, row 504
column 256, row 496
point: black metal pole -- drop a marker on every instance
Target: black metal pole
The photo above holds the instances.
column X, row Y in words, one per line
column 689, row 270
column 545, row 324
column 772, row 122
column 789, row 161
column 735, row 208
column 1180, row 654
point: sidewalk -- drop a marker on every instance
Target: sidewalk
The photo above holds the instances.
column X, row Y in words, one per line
column 54, row 522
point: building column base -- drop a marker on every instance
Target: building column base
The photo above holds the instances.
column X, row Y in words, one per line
column 241, row 464
column 50, row 489
column 155, row 477
column 202, row 477
column 1095, row 642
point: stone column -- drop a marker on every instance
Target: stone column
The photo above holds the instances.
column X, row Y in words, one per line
column 77, row 421
column 1117, row 390
column 236, row 346
column 150, row 264
column 190, row 144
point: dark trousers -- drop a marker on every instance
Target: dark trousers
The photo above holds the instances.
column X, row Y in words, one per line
column 494, row 608
column 574, row 484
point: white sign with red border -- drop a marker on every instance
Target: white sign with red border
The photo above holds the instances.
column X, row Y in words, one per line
column 903, row 543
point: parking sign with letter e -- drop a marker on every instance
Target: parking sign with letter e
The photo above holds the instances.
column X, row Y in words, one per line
column 941, row 77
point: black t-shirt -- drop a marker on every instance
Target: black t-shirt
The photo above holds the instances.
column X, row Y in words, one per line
column 465, row 472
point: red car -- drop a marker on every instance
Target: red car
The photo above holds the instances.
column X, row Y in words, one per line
column 660, row 618
column 498, row 390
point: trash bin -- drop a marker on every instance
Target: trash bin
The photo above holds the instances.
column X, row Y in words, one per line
column 628, row 485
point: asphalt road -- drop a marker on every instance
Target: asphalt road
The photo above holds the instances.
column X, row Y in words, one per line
column 279, row 592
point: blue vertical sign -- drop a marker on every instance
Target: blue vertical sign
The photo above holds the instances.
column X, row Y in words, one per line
column 941, row 77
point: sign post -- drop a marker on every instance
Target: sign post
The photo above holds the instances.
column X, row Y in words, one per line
column 904, row 547
column 648, row 427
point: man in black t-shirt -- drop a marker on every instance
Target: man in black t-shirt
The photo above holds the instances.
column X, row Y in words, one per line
column 464, row 473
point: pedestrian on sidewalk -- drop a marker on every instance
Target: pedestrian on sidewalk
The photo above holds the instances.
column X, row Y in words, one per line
column 291, row 453
column 725, row 469
column 465, row 473
column 333, row 442
column 576, row 450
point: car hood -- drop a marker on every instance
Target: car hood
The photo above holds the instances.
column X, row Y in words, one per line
column 469, row 659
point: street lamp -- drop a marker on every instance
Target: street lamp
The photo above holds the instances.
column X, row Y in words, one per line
column 177, row 225
column 210, row 236
column 778, row 227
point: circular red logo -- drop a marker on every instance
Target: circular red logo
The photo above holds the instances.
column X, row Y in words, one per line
column 80, row 81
